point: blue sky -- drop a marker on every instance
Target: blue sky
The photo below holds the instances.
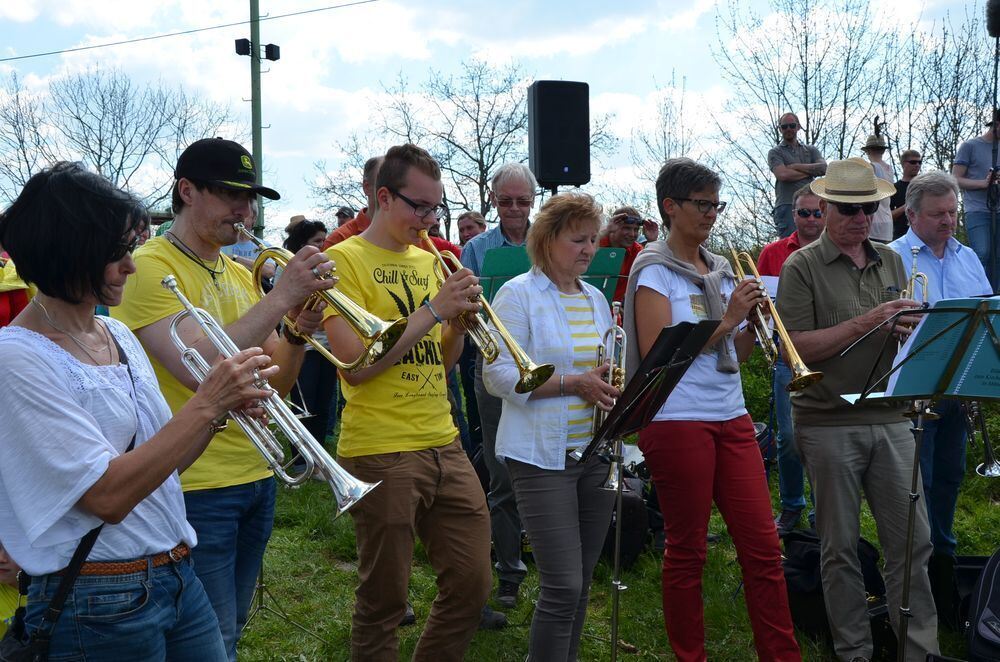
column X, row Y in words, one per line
column 334, row 62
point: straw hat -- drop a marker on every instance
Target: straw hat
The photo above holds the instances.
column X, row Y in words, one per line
column 852, row 180
column 293, row 221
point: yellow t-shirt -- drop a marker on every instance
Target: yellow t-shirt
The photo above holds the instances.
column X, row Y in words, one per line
column 406, row 407
column 10, row 281
column 8, row 605
column 230, row 459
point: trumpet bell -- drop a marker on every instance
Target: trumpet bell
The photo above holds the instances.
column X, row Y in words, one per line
column 991, row 470
column 803, row 380
column 533, row 376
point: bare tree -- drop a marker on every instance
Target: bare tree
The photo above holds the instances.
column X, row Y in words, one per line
column 24, row 146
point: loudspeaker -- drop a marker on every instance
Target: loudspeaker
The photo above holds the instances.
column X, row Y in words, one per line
column 559, row 132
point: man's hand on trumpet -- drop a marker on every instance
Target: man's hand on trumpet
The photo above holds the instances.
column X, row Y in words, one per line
column 303, row 275
column 904, row 325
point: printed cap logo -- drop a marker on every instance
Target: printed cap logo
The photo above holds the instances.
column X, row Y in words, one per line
column 247, row 163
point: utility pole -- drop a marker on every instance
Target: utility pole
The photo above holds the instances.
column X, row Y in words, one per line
column 258, row 226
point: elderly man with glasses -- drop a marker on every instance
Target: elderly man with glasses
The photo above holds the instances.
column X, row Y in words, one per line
column 830, row 294
column 512, row 194
column 794, row 165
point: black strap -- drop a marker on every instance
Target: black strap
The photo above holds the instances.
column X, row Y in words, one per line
column 86, row 543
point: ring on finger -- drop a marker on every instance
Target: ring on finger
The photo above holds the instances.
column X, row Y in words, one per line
column 317, row 273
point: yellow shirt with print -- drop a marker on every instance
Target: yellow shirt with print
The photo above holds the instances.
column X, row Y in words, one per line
column 8, row 605
column 230, row 458
column 406, row 407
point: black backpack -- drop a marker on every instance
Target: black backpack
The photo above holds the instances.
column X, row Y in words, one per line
column 983, row 625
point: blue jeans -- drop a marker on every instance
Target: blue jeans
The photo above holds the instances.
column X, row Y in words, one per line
column 791, row 481
column 157, row 614
column 784, row 224
column 233, row 526
column 942, row 467
column 977, row 226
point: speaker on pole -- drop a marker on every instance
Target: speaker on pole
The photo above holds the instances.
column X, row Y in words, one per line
column 559, row 132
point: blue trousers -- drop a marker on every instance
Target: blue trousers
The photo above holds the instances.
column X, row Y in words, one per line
column 157, row 614
column 977, row 225
column 942, row 467
column 791, row 475
column 233, row 526
column 784, row 224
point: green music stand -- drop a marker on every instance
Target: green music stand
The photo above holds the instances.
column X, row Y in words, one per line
column 502, row 264
column 605, row 270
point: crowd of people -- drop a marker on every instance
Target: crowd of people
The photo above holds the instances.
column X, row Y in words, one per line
column 112, row 438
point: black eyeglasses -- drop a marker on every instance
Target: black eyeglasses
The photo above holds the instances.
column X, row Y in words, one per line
column 527, row 203
column 806, row 213
column 420, row 210
column 915, row 161
column 122, row 249
column 852, row 208
column 703, row 205
column 792, row 125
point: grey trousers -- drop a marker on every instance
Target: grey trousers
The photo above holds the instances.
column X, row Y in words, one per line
column 505, row 524
column 567, row 515
column 841, row 462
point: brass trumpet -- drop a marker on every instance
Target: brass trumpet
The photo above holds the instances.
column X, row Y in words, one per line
column 347, row 490
column 802, row 376
column 915, row 277
column 990, row 468
column 377, row 335
column 531, row 375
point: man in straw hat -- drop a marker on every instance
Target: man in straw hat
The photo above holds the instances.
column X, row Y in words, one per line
column 874, row 148
column 830, row 293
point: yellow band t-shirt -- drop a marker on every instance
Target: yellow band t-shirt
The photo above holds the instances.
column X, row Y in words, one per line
column 8, row 605
column 230, row 458
column 405, row 408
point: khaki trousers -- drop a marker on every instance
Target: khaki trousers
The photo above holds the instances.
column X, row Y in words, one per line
column 435, row 494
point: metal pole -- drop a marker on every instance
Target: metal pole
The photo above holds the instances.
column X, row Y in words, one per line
column 258, row 226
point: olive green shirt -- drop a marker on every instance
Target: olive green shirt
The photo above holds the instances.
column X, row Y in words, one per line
column 820, row 287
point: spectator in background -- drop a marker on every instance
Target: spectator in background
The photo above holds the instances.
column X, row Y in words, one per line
column 470, row 224
column 911, row 161
column 359, row 223
column 973, row 170
column 794, row 165
column 621, row 232
column 344, row 214
column 14, row 293
column 809, row 226
column 874, row 148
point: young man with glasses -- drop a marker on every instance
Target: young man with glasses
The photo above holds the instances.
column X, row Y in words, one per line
column 809, row 225
column 911, row 162
column 512, row 194
column 830, row 294
column 397, row 426
column 794, row 165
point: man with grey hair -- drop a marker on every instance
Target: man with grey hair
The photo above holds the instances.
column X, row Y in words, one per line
column 953, row 271
column 512, row 194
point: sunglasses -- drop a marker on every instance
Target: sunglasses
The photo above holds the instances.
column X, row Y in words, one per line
column 852, row 208
column 630, row 220
column 122, row 249
column 791, row 125
column 527, row 203
column 806, row 213
column 915, row 161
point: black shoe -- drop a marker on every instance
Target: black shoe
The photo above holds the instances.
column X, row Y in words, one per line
column 409, row 618
column 507, row 594
column 786, row 521
column 492, row 620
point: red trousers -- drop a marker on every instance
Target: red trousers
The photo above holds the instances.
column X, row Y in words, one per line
column 693, row 463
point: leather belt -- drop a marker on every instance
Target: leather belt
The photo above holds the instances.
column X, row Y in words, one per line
column 108, row 568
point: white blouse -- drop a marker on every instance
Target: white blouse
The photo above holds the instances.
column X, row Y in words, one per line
column 61, row 424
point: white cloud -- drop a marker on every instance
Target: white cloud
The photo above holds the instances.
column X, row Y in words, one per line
column 583, row 40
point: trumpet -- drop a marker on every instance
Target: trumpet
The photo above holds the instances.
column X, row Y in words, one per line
column 915, row 278
column 347, row 490
column 377, row 335
column 531, row 375
column 802, row 376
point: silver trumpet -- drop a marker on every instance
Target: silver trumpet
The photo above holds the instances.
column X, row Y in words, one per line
column 990, row 468
column 347, row 490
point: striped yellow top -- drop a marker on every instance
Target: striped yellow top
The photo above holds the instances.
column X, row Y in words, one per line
column 585, row 339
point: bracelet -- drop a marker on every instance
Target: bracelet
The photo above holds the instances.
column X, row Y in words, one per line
column 291, row 337
column 433, row 312
column 562, row 384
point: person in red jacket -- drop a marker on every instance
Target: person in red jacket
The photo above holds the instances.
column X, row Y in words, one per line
column 621, row 232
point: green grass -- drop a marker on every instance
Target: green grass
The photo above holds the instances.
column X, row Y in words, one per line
column 311, row 573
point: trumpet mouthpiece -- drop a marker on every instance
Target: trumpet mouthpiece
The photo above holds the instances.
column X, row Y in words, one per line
column 169, row 282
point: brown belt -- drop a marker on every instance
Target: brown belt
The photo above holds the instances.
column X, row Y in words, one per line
column 129, row 567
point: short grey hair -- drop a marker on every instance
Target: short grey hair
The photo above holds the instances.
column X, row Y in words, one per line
column 680, row 177
column 509, row 172
column 933, row 183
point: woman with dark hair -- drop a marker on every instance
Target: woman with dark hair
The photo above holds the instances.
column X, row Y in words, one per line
column 88, row 438
column 556, row 318
column 316, row 387
column 701, row 445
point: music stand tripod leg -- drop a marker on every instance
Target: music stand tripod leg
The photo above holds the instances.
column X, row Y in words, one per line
column 260, row 606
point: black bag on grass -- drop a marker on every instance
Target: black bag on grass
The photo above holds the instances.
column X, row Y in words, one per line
column 983, row 625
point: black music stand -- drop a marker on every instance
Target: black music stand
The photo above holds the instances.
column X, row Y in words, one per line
column 959, row 371
column 668, row 359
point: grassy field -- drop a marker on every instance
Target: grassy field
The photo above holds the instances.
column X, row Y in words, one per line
column 311, row 573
